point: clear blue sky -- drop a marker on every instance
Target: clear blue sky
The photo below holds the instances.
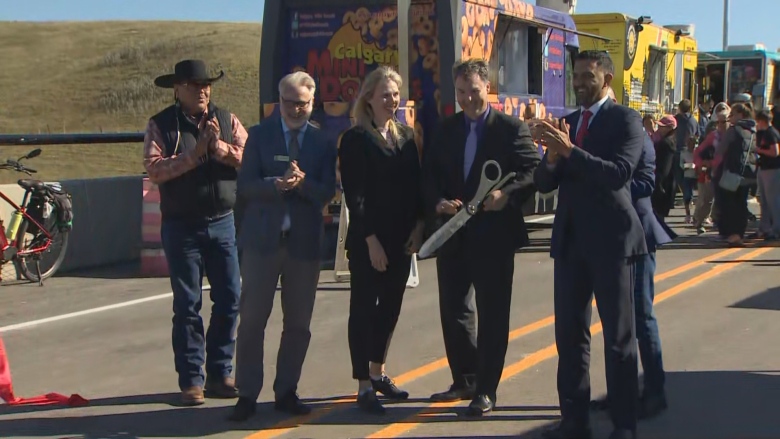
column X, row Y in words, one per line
column 752, row 22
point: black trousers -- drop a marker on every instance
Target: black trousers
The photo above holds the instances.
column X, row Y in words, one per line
column 374, row 306
column 470, row 355
column 577, row 277
column 733, row 209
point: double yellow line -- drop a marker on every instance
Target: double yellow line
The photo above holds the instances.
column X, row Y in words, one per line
column 411, row 422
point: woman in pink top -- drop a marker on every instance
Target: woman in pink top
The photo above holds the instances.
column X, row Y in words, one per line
column 703, row 158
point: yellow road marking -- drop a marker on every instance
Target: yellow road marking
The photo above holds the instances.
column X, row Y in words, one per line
column 413, row 421
column 290, row 424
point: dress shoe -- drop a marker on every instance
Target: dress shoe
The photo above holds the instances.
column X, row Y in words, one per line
column 567, row 431
column 387, row 387
column 620, row 433
column 192, row 396
column 243, row 410
column 455, row 393
column 290, row 403
column 480, row 405
column 221, row 388
column 650, row 406
column 369, row 403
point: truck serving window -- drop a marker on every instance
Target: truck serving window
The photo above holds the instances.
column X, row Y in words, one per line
column 571, row 95
column 744, row 74
column 516, row 62
column 655, row 79
column 688, row 84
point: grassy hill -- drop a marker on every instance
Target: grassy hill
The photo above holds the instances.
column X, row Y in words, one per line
column 73, row 77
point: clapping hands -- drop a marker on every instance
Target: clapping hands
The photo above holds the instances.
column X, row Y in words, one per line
column 291, row 179
column 554, row 135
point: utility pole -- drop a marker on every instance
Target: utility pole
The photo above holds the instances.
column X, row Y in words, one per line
column 725, row 25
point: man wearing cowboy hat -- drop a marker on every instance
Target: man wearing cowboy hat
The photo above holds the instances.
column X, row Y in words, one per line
column 192, row 150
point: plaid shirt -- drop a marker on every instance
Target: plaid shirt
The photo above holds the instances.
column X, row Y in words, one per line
column 161, row 168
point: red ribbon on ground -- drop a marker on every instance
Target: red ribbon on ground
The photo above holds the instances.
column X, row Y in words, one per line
column 7, row 389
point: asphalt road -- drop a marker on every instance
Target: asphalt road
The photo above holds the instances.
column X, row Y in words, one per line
column 107, row 337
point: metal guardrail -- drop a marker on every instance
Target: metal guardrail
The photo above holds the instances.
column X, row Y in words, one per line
column 69, row 139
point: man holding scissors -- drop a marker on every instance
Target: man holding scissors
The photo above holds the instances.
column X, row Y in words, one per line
column 597, row 237
column 481, row 253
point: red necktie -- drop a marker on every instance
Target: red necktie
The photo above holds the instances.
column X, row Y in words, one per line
column 583, row 131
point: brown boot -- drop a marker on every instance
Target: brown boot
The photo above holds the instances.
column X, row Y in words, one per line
column 224, row 388
column 192, row 396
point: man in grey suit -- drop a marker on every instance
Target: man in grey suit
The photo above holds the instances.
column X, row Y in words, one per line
column 287, row 177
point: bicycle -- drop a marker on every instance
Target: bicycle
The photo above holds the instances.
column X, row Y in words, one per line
column 44, row 213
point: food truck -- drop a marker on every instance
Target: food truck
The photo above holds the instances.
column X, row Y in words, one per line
column 338, row 42
column 654, row 65
column 530, row 50
column 739, row 69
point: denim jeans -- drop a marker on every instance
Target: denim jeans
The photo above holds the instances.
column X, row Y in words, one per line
column 647, row 326
column 688, row 184
column 194, row 248
column 769, row 191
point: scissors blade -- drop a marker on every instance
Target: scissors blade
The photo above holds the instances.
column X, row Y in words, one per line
column 443, row 234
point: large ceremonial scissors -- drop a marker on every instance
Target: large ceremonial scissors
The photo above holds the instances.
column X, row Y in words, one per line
column 486, row 186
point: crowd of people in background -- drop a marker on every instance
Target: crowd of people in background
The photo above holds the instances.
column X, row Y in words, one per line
column 730, row 142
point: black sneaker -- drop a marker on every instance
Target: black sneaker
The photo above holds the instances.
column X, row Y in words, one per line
column 387, row 387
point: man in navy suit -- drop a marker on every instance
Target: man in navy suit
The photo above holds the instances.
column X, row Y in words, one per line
column 657, row 233
column 597, row 237
column 287, row 178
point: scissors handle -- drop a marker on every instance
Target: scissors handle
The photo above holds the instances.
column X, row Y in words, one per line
column 486, row 184
column 503, row 181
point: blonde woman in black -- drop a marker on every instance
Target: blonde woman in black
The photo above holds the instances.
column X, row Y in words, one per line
column 380, row 175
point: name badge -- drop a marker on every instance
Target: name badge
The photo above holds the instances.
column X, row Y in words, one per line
column 282, row 158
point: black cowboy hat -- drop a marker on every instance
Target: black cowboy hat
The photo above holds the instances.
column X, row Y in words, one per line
column 187, row 70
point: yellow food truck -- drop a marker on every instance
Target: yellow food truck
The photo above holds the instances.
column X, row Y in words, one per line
column 654, row 65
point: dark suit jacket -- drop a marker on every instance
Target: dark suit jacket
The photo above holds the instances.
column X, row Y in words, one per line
column 265, row 206
column 504, row 139
column 381, row 189
column 594, row 196
column 642, row 186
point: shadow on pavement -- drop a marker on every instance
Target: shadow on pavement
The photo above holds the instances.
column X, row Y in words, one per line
column 169, row 399
column 717, row 405
column 706, row 404
column 768, row 300
column 191, row 422
column 773, row 264
column 128, row 270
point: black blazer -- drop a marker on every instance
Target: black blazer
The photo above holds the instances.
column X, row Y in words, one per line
column 594, row 195
column 504, row 139
column 381, row 189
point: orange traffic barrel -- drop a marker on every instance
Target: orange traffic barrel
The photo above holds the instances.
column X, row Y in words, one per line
column 153, row 262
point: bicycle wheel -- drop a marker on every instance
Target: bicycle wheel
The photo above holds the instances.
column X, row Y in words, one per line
column 50, row 259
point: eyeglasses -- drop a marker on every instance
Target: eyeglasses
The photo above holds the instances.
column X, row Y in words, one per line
column 296, row 104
